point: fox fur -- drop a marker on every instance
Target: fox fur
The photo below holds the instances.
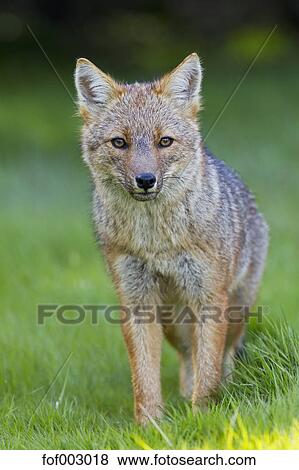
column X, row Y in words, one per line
column 196, row 239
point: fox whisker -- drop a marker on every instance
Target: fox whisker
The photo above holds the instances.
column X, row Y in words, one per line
column 176, row 177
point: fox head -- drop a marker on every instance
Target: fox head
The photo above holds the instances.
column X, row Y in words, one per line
column 138, row 138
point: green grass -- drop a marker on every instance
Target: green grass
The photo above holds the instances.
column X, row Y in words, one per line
column 48, row 255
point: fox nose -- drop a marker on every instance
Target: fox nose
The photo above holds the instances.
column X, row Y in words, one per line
column 145, row 180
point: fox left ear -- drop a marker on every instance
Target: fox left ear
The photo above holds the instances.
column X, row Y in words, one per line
column 95, row 88
column 183, row 83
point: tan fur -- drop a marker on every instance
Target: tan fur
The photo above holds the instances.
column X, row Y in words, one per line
column 196, row 240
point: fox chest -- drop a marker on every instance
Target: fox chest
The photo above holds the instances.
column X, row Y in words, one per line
column 167, row 243
column 147, row 234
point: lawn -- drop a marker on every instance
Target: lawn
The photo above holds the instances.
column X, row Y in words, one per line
column 68, row 386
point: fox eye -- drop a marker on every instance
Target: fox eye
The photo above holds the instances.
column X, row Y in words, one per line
column 119, row 142
column 166, row 141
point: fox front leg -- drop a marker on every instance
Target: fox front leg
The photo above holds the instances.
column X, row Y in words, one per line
column 209, row 338
column 143, row 334
column 144, row 349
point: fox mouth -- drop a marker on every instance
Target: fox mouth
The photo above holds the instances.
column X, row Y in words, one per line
column 144, row 196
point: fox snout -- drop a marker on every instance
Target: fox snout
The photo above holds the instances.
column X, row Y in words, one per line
column 145, row 172
column 145, row 186
column 146, row 181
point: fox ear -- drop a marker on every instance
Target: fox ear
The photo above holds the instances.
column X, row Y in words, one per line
column 94, row 87
column 183, row 83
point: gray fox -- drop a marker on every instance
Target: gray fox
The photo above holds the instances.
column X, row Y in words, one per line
column 177, row 227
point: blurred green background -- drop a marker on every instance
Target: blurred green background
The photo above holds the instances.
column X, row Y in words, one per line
column 47, row 248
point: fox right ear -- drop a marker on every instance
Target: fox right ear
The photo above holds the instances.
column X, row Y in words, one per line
column 183, row 83
column 94, row 87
